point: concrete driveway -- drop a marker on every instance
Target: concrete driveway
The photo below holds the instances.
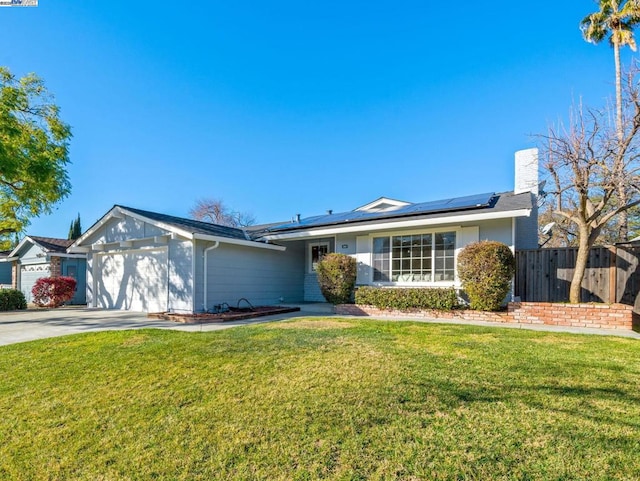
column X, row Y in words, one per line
column 21, row 326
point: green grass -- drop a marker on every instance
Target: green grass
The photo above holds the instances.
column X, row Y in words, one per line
column 321, row 399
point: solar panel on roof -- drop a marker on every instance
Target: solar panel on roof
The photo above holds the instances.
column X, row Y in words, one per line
column 445, row 205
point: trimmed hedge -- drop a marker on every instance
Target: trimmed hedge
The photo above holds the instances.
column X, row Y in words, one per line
column 486, row 269
column 11, row 300
column 444, row 299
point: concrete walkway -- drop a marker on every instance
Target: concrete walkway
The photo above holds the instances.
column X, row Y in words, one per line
column 32, row 324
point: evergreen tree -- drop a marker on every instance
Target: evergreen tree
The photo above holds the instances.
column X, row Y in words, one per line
column 75, row 229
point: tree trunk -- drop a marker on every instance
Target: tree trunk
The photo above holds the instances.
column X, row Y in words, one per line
column 581, row 267
column 616, row 57
column 623, row 221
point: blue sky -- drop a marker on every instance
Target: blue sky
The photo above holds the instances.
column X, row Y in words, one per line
column 289, row 107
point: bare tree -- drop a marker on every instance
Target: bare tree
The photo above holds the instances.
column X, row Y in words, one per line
column 562, row 232
column 588, row 163
column 217, row 212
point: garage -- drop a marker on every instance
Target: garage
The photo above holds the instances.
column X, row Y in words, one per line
column 29, row 274
column 135, row 280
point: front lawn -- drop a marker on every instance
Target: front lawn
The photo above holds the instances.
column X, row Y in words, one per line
column 321, row 399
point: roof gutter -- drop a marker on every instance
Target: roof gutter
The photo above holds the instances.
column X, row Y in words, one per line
column 240, row 242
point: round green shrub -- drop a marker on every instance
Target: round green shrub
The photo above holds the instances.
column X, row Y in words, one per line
column 486, row 269
column 337, row 277
column 11, row 300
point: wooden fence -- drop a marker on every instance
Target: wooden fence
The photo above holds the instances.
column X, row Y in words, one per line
column 612, row 275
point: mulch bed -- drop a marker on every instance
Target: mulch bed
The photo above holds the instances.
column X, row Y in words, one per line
column 236, row 315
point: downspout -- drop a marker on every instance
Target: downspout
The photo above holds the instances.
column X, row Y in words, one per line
column 210, row 248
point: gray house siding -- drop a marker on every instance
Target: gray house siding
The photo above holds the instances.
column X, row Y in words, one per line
column 259, row 275
column 33, row 255
column 497, row 230
column 312, row 292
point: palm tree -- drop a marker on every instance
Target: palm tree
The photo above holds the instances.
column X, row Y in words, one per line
column 615, row 20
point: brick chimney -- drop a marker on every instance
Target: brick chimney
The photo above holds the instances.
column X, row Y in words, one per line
column 526, row 171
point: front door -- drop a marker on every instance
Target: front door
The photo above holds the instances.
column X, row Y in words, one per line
column 76, row 268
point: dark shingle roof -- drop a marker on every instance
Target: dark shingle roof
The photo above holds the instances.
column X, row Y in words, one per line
column 448, row 208
column 52, row 244
column 190, row 225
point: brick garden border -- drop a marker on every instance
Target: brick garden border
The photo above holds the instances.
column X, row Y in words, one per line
column 591, row 315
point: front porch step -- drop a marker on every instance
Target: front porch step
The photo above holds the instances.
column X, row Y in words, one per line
column 313, row 307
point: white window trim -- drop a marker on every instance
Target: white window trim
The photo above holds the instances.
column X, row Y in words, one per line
column 310, row 247
column 458, row 247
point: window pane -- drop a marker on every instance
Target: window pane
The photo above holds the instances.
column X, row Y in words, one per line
column 445, row 243
column 381, row 245
column 381, row 259
column 411, row 258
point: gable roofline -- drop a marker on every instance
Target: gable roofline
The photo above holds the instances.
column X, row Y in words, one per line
column 382, row 200
column 186, row 228
column 50, row 245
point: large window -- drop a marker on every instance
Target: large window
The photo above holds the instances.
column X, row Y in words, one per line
column 414, row 258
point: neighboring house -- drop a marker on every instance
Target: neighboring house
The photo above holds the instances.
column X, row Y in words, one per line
column 153, row 262
column 35, row 257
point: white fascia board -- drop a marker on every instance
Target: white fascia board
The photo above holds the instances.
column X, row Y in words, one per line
column 80, row 240
column 240, row 242
column 66, row 256
column 117, row 213
column 327, row 231
column 14, row 252
column 73, row 256
column 8, row 259
column 78, row 250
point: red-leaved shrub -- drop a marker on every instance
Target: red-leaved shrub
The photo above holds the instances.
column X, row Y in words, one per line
column 53, row 291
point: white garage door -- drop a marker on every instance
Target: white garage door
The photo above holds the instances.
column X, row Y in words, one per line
column 134, row 280
column 29, row 274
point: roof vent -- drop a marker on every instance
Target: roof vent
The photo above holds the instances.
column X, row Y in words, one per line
column 329, row 211
column 297, row 217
